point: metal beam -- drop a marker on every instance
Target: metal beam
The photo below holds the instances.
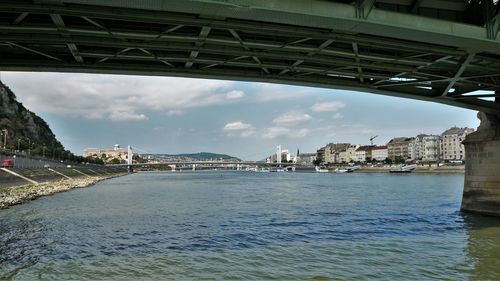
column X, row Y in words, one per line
column 363, row 8
column 493, row 26
column 232, row 62
column 462, row 68
column 429, row 81
column 360, row 70
column 477, row 96
column 322, row 58
column 311, row 53
column 416, row 69
column 201, row 39
column 243, row 44
column 59, row 22
column 35, row 51
column 384, row 43
column 20, row 18
column 224, row 62
column 414, row 6
column 155, row 57
column 114, row 55
column 159, row 17
column 171, row 29
column 101, row 39
column 97, row 24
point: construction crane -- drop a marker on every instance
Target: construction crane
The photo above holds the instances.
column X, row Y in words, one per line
column 372, row 138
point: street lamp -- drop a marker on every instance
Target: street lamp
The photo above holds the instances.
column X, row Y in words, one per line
column 29, row 146
column 4, row 133
column 18, row 144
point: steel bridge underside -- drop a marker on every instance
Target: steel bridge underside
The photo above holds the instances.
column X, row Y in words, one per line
column 332, row 44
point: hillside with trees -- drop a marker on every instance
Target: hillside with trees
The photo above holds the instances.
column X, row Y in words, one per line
column 27, row 133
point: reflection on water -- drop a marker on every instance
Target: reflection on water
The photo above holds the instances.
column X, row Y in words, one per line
column 483, row 246
column 252, row 226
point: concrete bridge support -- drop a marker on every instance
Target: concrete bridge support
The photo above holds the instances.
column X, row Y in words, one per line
column 482, row 169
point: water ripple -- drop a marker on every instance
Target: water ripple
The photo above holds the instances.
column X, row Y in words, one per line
column 248, row 226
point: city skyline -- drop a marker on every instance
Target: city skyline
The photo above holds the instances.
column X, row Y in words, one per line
column 242, row 119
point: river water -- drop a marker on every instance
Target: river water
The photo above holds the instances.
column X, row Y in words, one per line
column 251, row 226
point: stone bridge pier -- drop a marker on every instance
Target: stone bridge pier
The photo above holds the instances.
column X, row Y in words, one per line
column 482, row 168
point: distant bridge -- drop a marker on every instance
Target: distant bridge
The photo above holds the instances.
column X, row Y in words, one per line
column 180, row 163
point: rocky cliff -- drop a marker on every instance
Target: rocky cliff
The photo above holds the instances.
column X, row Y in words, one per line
column 24, row 128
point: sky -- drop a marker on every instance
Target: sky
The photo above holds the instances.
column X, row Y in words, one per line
column 243, row 119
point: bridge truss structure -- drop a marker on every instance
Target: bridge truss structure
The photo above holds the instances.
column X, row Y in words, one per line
column 446, row 51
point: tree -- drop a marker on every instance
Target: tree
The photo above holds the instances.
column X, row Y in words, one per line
column 138, row 159
column 399, row 160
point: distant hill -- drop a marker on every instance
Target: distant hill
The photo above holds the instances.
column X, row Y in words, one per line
column 23, row 127
column 26, row 131
column 208, row 155
column 200, row 156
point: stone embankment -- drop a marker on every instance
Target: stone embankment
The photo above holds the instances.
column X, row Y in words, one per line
column 20, row 194
column 420, row 169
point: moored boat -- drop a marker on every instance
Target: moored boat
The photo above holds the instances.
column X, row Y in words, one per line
column 404, row 169
column 321, row 169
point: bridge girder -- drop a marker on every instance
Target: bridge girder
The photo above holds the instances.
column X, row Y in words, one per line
column 344, row 51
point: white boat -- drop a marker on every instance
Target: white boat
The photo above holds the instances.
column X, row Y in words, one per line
column 353, row 168
column 278, row 169
column 263, row 170
column 346, row 169
column 321, row 169
column 404, row 169
column 341, row 170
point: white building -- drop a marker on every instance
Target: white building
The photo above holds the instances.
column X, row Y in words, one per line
column 431, row 148
column 424, row 147
column 107, row 154
column 416, row 147
column 342, row 157
column 351, row 153
column 283, row 157
column 451, row 143
column 364, row 153
column 306, row 158
column 380, row 153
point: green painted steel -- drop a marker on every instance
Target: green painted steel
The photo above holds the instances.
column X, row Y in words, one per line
column 354, row 45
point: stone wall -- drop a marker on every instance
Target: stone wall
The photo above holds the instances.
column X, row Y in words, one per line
column 482, row 171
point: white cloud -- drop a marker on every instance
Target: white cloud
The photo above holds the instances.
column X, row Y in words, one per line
column 338, row 115
column 117, row 97
column 327, row 106
column 292, row 118
column 239, row 128
column 235, row 95
column 238, row 125
column 126, row 116
column 282, row 132
column 175, row 112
